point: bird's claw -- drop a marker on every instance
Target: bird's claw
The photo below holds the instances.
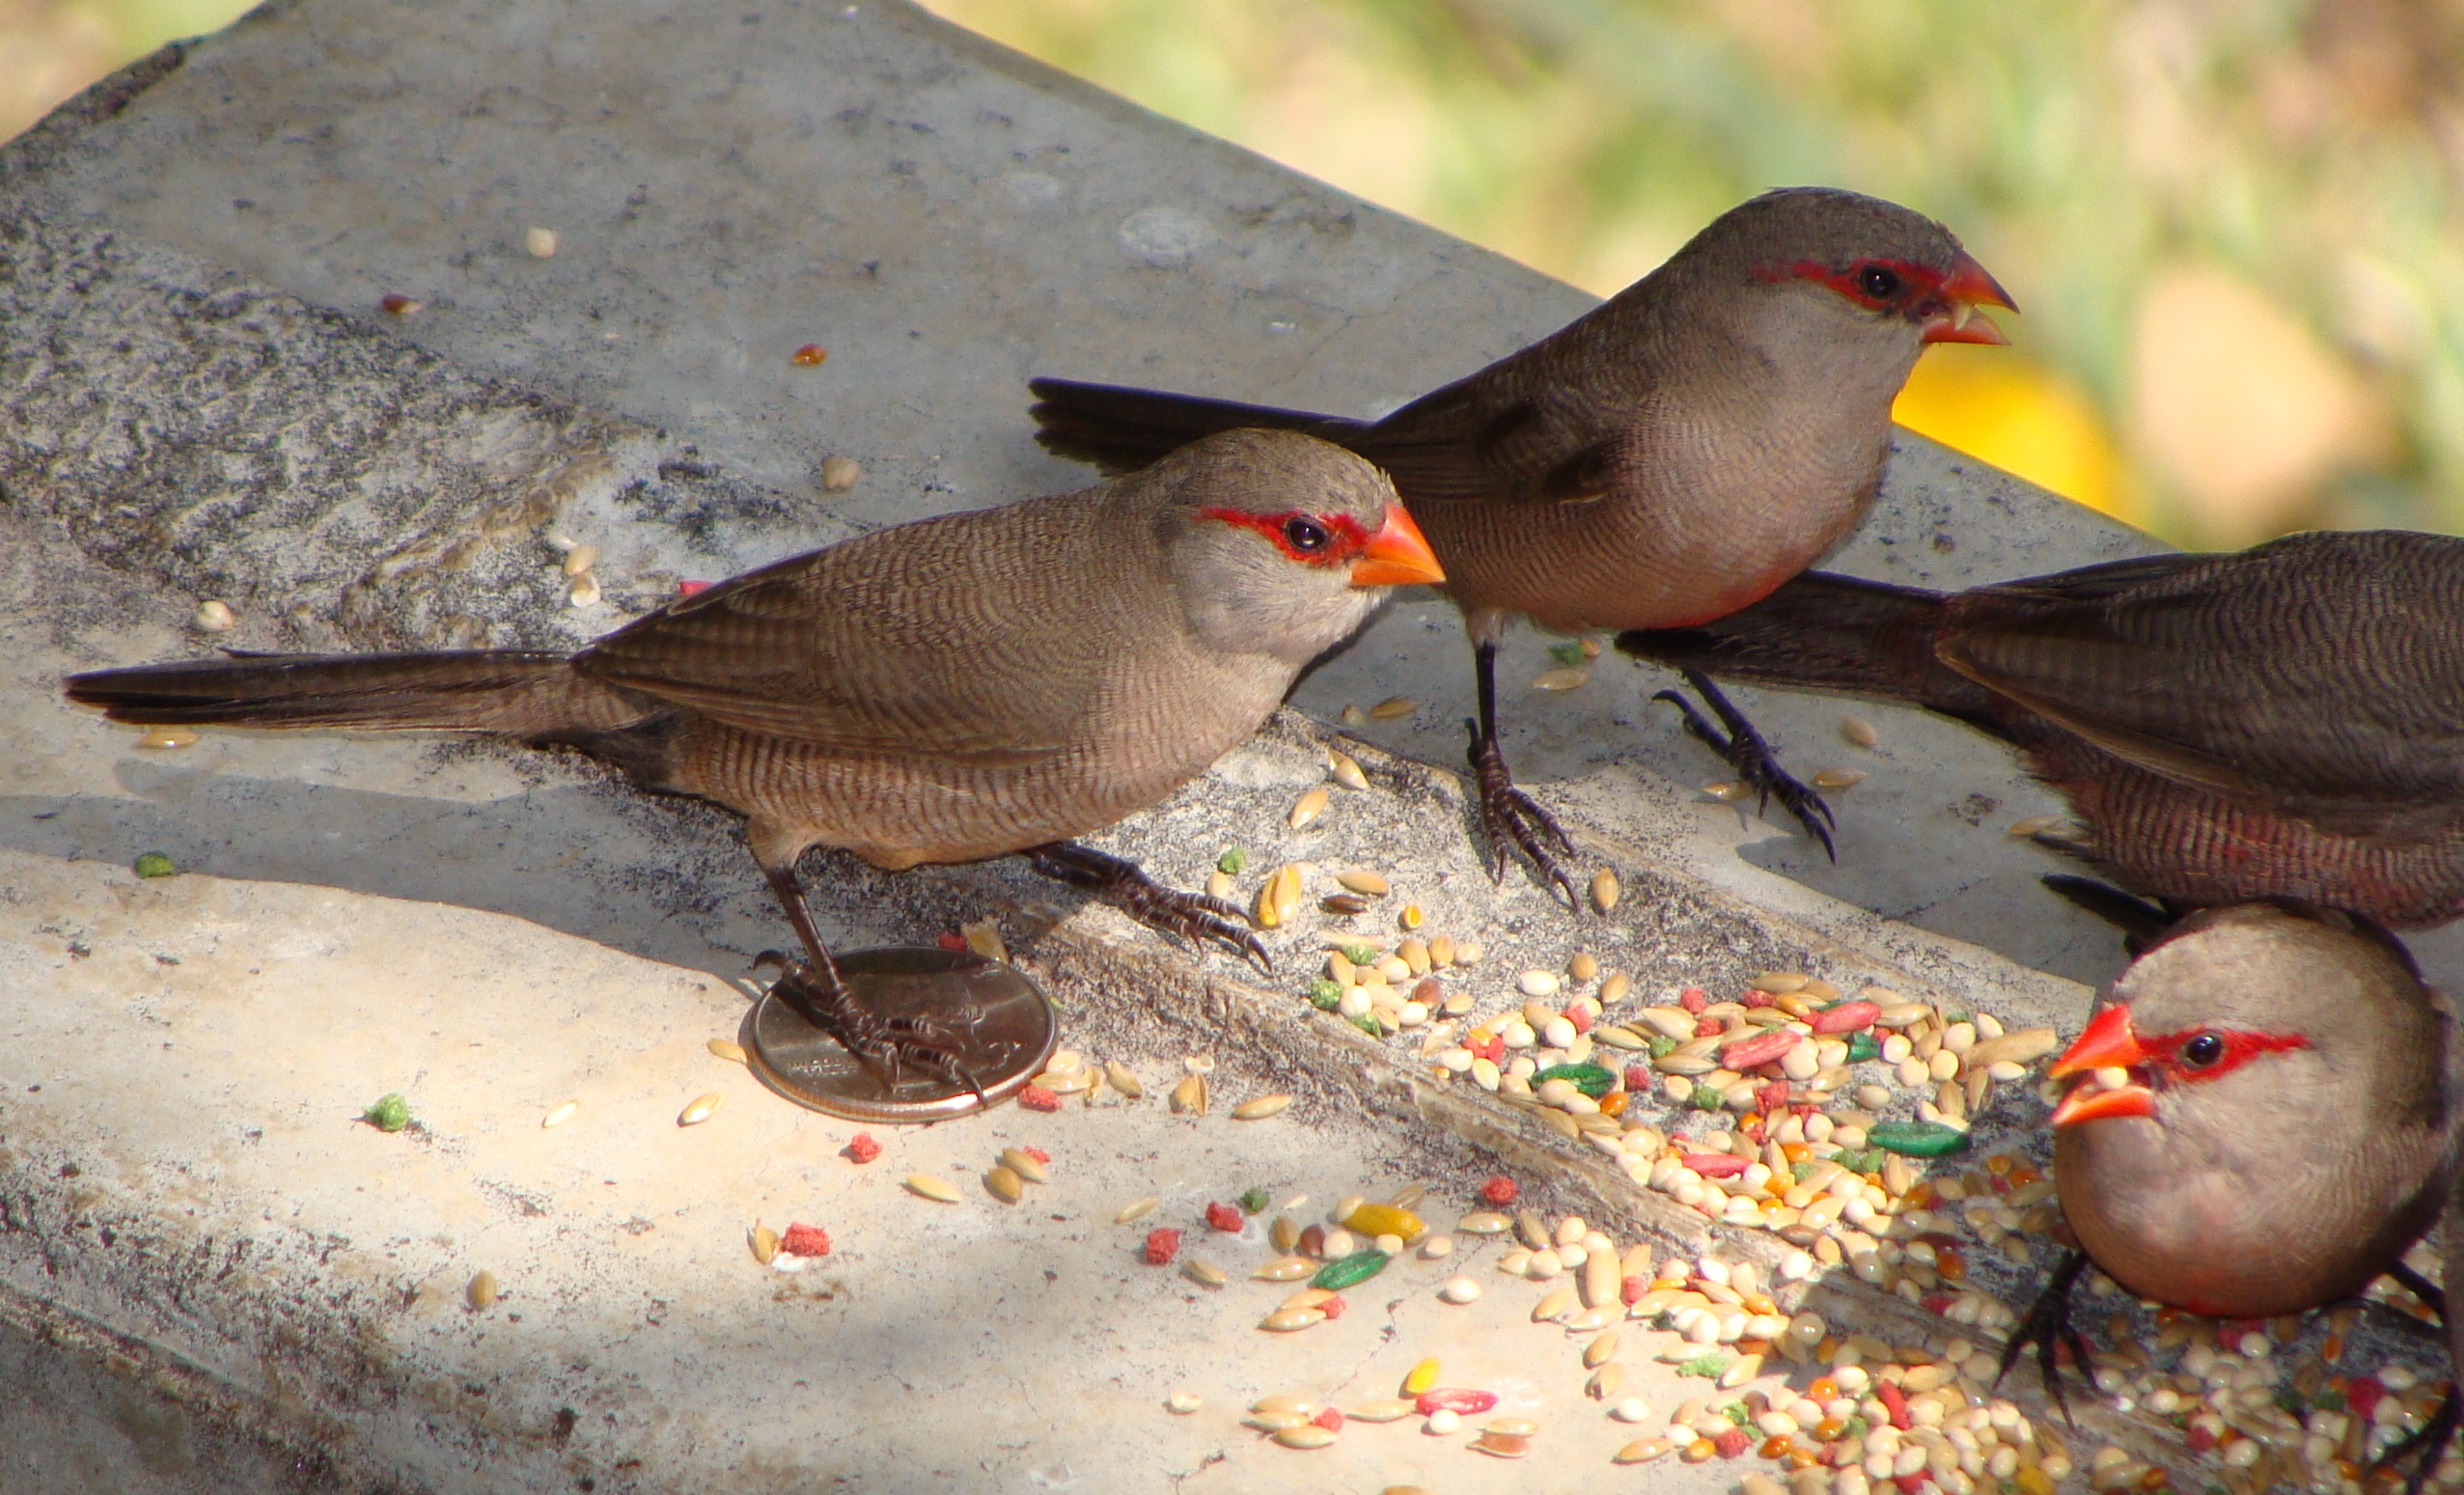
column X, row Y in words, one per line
column 1756, row 765
column 2047, row 1326
column 882, row 1045
column 1200, row 918
column 1510, row 816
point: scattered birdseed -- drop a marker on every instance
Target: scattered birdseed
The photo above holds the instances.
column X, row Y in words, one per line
column 2034, row 825
column 765, row 1242
column 167, row 737
column 393, row 303
column 1024, row 1163
column 1839, row 778
column 807, row 1241
column 215, row 616
column 561, row 1114
column 1205, row 1274
column 154, row 864
column 1002, row 1183
column 1258, row 1108
column 1308, row 806
column 541, row 243
column 1561, row 679
column 1122, row 1079
column 1189, row 1096
column 482, row 1292
column 927, row 1186
column 812, row 356
column 1498, row 1192
column 391, row 1113
column 1183, row 1403
column 728, row 1049
column 840, row 474
column 699, row 1110
column 1136, row 1209
column 1278, row 897
column 1460, row 1289
column 1362, row 880
column 1345, row 770
column 1308, row 1435
column 1037, row 1097
column 861, row 1148
column 1163, row 1243
column 1393, row 706
column 1859, row 731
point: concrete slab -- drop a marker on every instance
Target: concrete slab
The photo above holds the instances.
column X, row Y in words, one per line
column 202, row 399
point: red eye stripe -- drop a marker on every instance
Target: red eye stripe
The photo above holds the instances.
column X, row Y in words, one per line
column 1916, row 281
column 2240, row 1048
column 1345, row 538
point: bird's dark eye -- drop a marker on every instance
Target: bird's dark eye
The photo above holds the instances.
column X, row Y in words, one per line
column 1305, row 535
column 1878, row 281
column 2203, row 1051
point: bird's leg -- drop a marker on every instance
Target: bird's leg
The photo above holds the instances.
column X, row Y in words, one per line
column 821, row 997
column 2426, row 1447
column 1752, row 757
column 1196, row 917
column 2047, row 1326
column 1508, row 815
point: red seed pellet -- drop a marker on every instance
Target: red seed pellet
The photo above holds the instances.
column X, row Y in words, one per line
column 1580, row 1016
column 1894, row 1402
column 1224, row 1217
column 1708, row 1028
column 1461, row 1401
column 1639, row 1079
column 862, row 1149
column 1499, row 1191
column 396, row 304
column 1035, row 1097
column 1732, row 1442
column 691, row 588
column 1038, row 1154
column 1331, row 1417
column 1693, row 1000
column 1333, row 1308
column 805, row 1241
column 1761, row 1049
column 1163, row 1243
column 1716, row 1165
column 1630, row 1291
column 1846, row 1017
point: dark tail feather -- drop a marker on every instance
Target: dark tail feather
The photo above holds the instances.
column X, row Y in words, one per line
column 1119, row 429
column 1826, row 633
column 517, row 693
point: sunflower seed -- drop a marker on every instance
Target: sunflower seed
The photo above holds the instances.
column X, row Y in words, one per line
column 927, row 1186
column 699, row 1110
column 1122, row 1080
column 1309, row 808
column 1190, row 1094
column 1261, row 1107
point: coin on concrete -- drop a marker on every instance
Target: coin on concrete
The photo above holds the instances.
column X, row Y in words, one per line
column 999, row 1024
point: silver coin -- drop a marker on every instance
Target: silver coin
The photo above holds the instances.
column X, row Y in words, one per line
column 1001, row 1024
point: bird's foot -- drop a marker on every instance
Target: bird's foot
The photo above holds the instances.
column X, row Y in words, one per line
column 2423, row 1448
column 1510, row 816
column 886, row 1046
column 2048, row 1327
column 1197, row 917
column 1756, row 765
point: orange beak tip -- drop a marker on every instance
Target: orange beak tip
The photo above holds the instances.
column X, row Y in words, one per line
column 1974, row 327
column 2109, row 1043
column 1397, row 555
column 2094, row 1103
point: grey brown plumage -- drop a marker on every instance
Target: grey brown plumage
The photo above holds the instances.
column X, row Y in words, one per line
column 950, row 689
column 1668, row 457
column 2286, row 721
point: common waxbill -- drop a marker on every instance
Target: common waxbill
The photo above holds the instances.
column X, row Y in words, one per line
column 2281, row 721
column 941, row 691
column 2266, row 1114
column 1665, row 458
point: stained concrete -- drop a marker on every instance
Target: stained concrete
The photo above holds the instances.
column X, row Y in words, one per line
column 203, row 398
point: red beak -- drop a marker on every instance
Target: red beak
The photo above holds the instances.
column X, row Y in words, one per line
column 1397, row 555
column 1957, row 320
column 2109, row 1043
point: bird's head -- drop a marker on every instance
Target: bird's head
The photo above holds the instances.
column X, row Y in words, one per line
column 2252, row 1012
column 1280, row 543
column 1822, row 268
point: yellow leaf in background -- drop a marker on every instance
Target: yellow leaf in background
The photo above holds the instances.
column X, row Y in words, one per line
column 2002, row 407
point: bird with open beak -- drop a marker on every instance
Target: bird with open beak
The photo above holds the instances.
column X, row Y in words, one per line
column 2265, row 1115
column 958, row 687
column 1664, row 459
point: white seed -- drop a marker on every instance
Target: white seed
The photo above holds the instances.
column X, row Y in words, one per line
column 1442, row 1422
column 1859, row 731
column 1183, row 1403
column 699, row 1110
column 1437, row 1247
column 1309, row 808
column 216, row 617
column 540, row 242
column 580, row 558
column 1219, row 884
column 561, row 1115
column 1258, row 1108
column 585, row 590
column 1138, row 1210
column 927, row 1186
column 1633, row 1409
column 1460, row 1289
column 840, row 474
column 1468, row 952
column 1537, row 983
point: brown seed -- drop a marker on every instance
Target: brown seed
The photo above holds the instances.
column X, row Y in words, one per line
column 1584, row 967
column 1859, row 731
column 1344, row 905
column 482, row 1291
column 167, row 737
column 1002, row 1183
column 1393, row 706
column 765, row 1243
column 1502, row 1445
column 726, row 1050
column 1205, row 1274
column 1345, row 769
column 840, row 474
column 1284, row 1234
column 1190, row 1095
column 1308, row 1435
column 1614, row 989
column 1360, row 879
column 983, row 938
column 1287, row 1321
column 1309, row 808
column 1261, row 1107
column 1122, row 1080
column 1727, row 791
column 699, row 1110
column 927, row 1186
column 1839, row 778
column 1135, row 1209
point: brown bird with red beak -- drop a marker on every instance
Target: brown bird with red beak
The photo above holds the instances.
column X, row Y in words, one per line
column 1666, row 458
column 941, row 691
column 2282, row 721
column 2265, row 1115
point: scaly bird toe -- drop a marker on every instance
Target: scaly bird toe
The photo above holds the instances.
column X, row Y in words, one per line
column 1510, row 816
column 1756, row 765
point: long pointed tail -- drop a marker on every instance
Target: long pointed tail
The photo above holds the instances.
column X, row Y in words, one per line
column 521, row 694
column 1119, row 429
column 1832, row 633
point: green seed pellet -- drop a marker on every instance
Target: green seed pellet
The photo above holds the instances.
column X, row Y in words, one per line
column 1590, row 1079
column 390, row 1114
column 154, row 864
column 1919, row 1139
column 1351, row 1270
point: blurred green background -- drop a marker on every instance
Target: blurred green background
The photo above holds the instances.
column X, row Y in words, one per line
column 2233, row 223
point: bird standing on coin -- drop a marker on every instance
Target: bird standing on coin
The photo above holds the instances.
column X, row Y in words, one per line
column 2281, row 721
column 2265, row 1115
column 1666, row 458
column 946, row 690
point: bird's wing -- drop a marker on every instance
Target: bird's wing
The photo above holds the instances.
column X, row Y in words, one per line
column 2325, row 677
column 1505, row 434
column 945, row 639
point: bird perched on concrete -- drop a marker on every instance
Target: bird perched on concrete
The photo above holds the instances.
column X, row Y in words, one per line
column 940, row 691
column 2265, row 1115
column 2282, row 721
column 1666, row 458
